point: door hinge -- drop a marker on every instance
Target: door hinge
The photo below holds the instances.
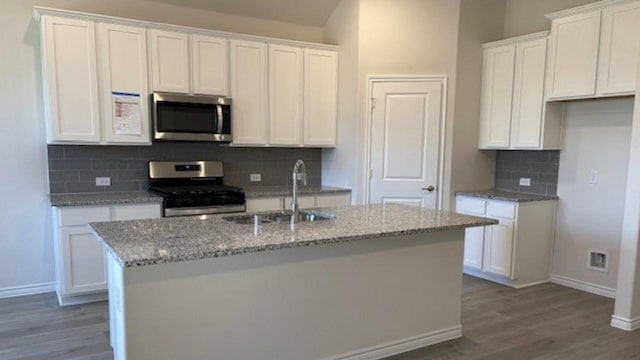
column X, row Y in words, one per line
column 370, row 174
column 373, row 103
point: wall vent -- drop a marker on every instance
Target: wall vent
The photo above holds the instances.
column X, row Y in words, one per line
column 598, row 260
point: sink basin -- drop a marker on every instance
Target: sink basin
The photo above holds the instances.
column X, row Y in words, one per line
column 280, row 217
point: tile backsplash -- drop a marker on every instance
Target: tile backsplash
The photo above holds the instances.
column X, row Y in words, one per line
column 539, row 166
column 73, row 168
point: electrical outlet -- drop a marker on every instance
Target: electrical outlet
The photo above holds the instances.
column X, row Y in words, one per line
column 593, row 177
column 103, row 181
column 255, row 177
column 525, row 182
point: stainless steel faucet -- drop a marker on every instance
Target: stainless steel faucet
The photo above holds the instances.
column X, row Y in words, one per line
column 298, row 169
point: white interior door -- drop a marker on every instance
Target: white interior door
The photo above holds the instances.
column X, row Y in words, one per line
column 404, row 151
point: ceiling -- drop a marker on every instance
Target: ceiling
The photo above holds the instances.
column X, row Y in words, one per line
column 301, row 12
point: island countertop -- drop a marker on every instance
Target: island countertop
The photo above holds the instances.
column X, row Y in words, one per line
column 156, row 241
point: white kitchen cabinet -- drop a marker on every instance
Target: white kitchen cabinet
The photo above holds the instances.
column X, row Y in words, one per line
column 249, row 92
column 593, row 50
column 619, row 50
column 516, row 251
column 285, row 95
column 169, row 58
column 333, row 200
column 188, row 63
column 209, row 64
column 70, row 75
column 513, row 114
column 306, row 201
column 123, row 76
column 497, row 95
column 320, row 97
column 80, row 258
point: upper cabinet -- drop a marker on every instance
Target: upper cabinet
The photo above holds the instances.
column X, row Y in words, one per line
column 95, row 85
column 99, row 72
column 188, row 63
column 593, row 50
column 296, row 85
column 513, row 113
column 70, row 78
column 249, row 92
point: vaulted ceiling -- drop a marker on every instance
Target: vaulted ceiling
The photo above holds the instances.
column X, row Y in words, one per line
column 301, row 12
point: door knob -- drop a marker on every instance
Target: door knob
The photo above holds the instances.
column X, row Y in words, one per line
column 429, row 188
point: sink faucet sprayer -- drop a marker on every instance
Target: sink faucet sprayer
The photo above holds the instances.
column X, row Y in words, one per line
column 299, row 170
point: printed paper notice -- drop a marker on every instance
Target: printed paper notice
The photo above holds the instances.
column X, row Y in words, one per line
column 127, row 118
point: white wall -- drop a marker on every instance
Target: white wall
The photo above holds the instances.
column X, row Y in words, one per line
column 339, row 164
column 470, row 168
column 26, row 255
column 597, row 136
column 527, row 16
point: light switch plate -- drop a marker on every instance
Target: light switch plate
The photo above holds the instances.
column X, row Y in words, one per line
column 525, row 182
column 593, row 177
column 103, row 181
column 255, row 177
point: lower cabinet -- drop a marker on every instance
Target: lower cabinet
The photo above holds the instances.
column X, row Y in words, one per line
column 516, row 251
column 304, row 202
column 80, row 258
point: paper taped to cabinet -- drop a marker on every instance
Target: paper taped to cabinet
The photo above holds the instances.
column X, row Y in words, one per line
column 127, row 117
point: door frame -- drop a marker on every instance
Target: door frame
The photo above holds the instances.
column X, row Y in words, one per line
column 371, row 81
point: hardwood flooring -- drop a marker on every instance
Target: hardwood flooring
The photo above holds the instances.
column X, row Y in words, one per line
column 542, row 322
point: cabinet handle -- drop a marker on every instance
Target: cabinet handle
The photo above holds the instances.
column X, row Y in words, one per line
column 429, row 188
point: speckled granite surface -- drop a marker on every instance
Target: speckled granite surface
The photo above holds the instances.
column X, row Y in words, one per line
column 155, row 241
column 97, row 199
column 494, row 194
column 253, row 192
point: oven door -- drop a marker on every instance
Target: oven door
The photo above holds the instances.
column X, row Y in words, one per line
column 191, row 118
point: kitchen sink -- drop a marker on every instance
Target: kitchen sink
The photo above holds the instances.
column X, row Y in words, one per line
column 279, row 217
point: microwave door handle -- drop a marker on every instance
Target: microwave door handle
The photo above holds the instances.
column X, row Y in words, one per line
column 219, row 119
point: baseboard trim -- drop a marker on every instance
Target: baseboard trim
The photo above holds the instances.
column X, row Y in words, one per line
column 584, row 286
column 402, row 346
column 82, row 299
column 625, row 324
column 27, row 290
column 500, row 279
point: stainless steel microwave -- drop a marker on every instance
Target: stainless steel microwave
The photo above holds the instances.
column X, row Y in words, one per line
column 179, row 117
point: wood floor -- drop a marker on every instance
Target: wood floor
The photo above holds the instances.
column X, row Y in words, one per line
column 541, row 322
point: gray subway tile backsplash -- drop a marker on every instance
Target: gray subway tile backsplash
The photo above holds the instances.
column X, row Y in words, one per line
column 73, row 168
column 539, row 166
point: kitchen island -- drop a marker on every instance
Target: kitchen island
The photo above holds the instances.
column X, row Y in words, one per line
column 374, row 281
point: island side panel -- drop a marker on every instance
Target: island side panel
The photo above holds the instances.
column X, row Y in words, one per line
column 332, row 301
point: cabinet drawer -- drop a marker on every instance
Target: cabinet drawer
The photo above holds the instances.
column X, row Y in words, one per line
column 73, row 216
column 134, row 212
column 501, row 209
column 264, row 204
column 304, row 202
column 333, row 200
column 469, row 205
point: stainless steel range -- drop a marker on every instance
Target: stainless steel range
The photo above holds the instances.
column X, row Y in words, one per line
column 194, row 188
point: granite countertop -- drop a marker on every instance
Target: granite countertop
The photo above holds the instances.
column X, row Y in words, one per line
column 494, row 194
column 252, row 192
column 106, row 198
column 155, row 241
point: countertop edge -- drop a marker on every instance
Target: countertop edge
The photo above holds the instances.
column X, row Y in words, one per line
column 332, row 240
column 104, row 199
column 502, row 195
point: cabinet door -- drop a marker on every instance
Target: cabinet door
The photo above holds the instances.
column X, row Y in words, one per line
column 134, row 212
column 70, row 81
column 528, row 94
column 249, row 92
column 573, row 56
column 124, row 83
column 619, row 45
column 169, row 61
column 209, row 65
column 498, row 248
column 497, row 94
column 320, row 97
column 304, row 202
column 264, row 204
column 83, row 261
column 285, row 95
column 473, row 247
column 333, row 200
